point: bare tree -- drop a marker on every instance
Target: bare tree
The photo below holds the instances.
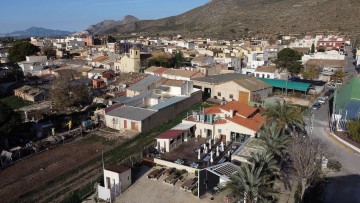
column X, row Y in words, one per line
column 306, row 157
column 67, row 91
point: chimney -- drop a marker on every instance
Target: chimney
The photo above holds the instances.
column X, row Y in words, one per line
column 232, row 113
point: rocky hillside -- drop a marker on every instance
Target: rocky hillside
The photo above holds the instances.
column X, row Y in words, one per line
column 108, row 24
column 231, row 18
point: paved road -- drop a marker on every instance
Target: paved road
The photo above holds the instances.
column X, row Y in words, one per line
column 345, row 185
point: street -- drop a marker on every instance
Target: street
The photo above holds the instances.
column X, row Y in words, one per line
column 345, row 185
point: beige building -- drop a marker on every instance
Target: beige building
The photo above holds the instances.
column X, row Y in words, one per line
column 129, row 62
column 233, row 86
column 31, row 93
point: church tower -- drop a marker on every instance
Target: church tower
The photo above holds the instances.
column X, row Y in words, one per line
column 135, row 52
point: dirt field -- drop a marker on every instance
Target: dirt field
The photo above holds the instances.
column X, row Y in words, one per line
column 36, row 171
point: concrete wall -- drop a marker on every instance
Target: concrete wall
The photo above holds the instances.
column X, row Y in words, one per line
column 119, row 123
column 174, row 165
column 170, row 112
column 225, row 129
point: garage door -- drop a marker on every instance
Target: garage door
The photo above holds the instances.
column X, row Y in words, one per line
column 244, row 97
column 134, row 126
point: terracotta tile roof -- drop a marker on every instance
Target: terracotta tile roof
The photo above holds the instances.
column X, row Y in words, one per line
column 212, row 110
column 158, row 70
column 161, row 70
column 117, row 168
column 252, row 124
column 182, row 73
column 266, row 69
column 100, row 58
column 326, row 63
column 240, row 108
column 170, row 134
column 219, row 122
column 252, row 84
column 174, row 83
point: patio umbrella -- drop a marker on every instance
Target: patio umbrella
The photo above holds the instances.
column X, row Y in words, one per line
column 217, row 151
column 205, row 150
column 210, row 144
column 199, row 154
column 211, row 157
column 222, row 146
column 228, row 153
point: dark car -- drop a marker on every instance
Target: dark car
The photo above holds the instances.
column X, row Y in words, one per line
column 316, row 106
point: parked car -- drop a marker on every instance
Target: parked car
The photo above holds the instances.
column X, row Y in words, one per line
column 321, row 100
column 316, row 106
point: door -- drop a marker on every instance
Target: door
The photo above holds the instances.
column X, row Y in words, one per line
column 125, row 124
column 243, row 97
column 134, row 126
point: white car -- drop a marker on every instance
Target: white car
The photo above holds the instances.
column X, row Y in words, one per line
column 322, row 100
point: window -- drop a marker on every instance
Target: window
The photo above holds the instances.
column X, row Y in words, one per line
column 231, row 96
column 268, row 76
column 219, row 130
column 219, row 94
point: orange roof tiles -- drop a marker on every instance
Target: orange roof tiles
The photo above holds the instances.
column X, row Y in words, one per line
column 100, row 58
column 240, row 108
column 252, row 124
column 219, row 122
column 212, row 110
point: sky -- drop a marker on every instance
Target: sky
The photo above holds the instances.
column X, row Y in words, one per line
column 76, row 15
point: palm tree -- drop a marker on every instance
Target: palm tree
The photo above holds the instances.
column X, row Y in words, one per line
column 276, row 142
column 267, row 161
column 286, row 117
column 251, row 183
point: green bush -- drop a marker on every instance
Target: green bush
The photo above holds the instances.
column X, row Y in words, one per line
column 196, row 173
column 195, row 192
column 334, row 165
column 354, row 130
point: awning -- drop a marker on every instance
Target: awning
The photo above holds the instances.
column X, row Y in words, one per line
column 284, row 84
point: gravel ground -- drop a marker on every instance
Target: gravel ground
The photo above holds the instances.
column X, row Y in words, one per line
column 157, row 191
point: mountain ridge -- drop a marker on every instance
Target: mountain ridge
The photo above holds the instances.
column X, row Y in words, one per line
column 108, row 24
column 34, row 31
column 231, row 18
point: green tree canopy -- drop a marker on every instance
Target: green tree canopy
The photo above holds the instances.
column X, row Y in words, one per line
column 339, row 75
column 49, row 52
column 178, row 59
column 312, row 48
column 310, row 73
column 354, row 130
column 111, row 39
column 9, row 119
column 287, row 117
column 289, row 59
column 20, row 50
column 275, row 141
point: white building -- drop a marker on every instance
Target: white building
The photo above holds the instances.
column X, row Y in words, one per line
column 253, row 60
column 265, row 72
column 328, row 55
column 233, row 121
column 233, row 63
column 116, row 180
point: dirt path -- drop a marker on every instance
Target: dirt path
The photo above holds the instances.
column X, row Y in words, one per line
column 40, row 169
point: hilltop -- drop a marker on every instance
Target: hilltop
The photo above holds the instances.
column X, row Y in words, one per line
column 38, row 32
column 231, row 18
